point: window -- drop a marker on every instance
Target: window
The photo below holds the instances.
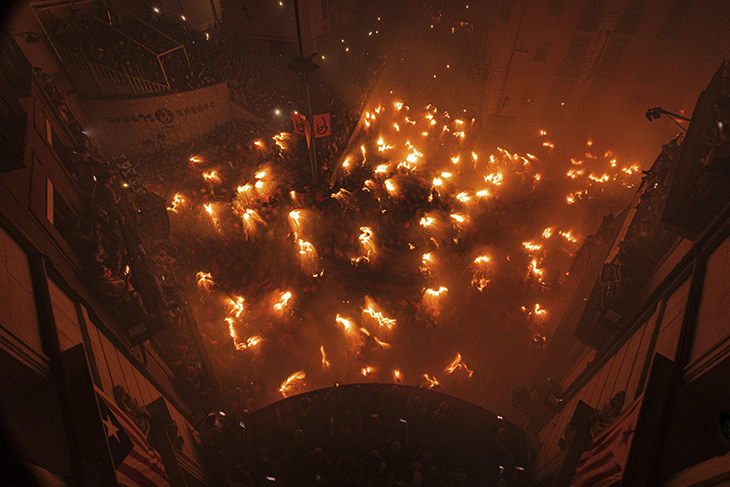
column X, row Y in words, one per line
column 58, row 212
column 541, row 54
column 575, row 57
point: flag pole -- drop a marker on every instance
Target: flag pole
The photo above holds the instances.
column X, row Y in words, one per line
column 305, row 73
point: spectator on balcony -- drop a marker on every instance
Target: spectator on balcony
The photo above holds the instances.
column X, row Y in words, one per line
column 717, row 159
column 112, row 285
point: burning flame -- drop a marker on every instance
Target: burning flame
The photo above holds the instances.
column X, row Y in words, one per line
column 430, row 382
column 253, row 341
column 367, row 371
column 382, row 343
column 532, row 247
column 371, row 311
column 432, row 299
column 282, row 302
column 308, row 258
column 569, row 237
column 601, row 179
column 213, row 217
column 178, row 203
column 390, row 186
column 482, row 274
column 368, row 251
column 348, row 325
column 293, row 385
column 397, row 376
column 251, row 222
column 495, row 178
column 381, row 169
column 325, row 363
column 205, row 281
column 236, row 309
column 212, row 177
column 457, row 364
column 295, row 222
column 547, row 233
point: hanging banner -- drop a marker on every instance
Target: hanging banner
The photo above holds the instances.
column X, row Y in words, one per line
column 299, row 121
column 322, row 127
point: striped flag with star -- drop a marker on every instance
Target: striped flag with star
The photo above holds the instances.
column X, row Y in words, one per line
column 604, row 463
column 137, row 464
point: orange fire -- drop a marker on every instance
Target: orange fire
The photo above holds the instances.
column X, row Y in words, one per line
column 245, row 195
column 569, row 237
column 309, row 259
column 236, row 309
column 205, row 281
column 325, row 363
column 212, row 177
column 431, row 382
column 251, row 222
column 213, row 216
column 347, row 324
column 428, row 263
column 482, row 273
column 368, row 250
column 372, row 311
column 293, row 385
column 178, row 203
column 532, row 247
column 397, row 376
column 366, row 371
column 457, row 364
column 432, row 299
column 295, row 222
column 282, row 302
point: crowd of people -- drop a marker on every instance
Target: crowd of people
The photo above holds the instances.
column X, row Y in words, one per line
column 359, row 437
column 365, row 435
column 191, row 59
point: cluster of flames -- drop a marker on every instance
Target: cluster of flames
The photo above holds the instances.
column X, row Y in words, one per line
column 470, row 178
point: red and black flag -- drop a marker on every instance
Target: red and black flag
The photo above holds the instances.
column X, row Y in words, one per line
column 137, row 464
column 300, row 123
column 322, row 127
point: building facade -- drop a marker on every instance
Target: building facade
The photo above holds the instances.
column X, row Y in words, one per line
column 71, row 330
column 634, row 385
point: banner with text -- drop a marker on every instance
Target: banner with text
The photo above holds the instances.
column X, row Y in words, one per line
column 158, row 122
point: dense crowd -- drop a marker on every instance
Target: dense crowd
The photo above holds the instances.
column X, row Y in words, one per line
column 257, row 79
column 365, row 435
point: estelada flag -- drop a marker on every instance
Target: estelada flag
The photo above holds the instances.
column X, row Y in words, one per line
column 322, row 127
column 300, row 123
column 137, row 464
column 604, row 463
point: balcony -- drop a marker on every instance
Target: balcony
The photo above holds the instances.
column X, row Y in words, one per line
column 640, row 246
column 701, row 185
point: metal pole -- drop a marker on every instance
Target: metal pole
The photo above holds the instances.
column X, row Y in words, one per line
column 312, row 150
